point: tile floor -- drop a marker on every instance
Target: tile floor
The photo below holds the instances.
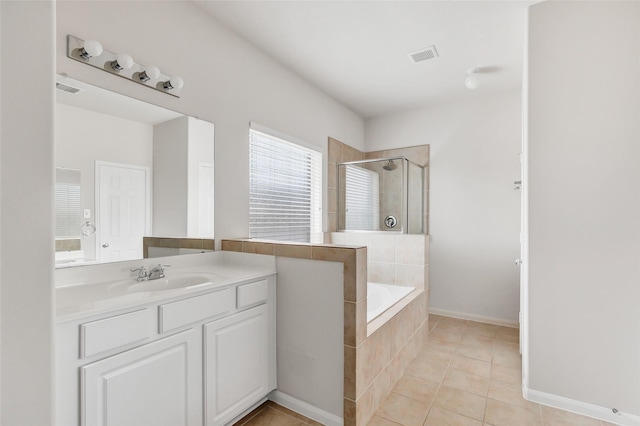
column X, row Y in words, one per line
column 272, row 414
column 466, row 374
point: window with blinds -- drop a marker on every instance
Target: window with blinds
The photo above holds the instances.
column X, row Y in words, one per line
column 362, row 195
column 285, row 189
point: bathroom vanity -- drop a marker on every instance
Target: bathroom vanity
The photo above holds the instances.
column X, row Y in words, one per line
column 196, row 347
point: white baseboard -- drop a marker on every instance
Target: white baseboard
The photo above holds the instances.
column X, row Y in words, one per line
column 580, row 407
column 473, row 317
column 306, row 409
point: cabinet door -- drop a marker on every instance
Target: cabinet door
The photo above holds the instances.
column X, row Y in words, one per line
column 236, row 364
column 155, row 384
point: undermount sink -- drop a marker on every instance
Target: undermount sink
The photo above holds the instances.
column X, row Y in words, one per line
column 170, row 283
column 189, row 280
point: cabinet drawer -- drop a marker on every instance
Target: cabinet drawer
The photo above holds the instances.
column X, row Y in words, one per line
column 177, row 314
column 109, row 333
column 252, row 293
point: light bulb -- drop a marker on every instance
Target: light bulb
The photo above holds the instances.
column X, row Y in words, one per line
column 150, row 73
column 123, row 62
column 173, row 83
column 471, row 81
column 90, row 49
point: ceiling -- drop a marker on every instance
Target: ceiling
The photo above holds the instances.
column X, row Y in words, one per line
column 358, row 51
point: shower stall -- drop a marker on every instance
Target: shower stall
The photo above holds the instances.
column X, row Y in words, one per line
column 382, row 194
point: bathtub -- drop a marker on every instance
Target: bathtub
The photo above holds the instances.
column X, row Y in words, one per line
column 381, row 297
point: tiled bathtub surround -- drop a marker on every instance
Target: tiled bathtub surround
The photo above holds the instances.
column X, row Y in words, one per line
column 400, row 259
column 372, row 364
column 373, row 368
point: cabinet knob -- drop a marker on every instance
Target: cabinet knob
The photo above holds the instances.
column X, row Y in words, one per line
column 105, row 245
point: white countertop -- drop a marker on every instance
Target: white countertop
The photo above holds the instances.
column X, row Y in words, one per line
column 95, row 289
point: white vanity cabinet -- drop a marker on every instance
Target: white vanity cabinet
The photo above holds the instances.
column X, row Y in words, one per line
column 197, row 358
column 236, row 363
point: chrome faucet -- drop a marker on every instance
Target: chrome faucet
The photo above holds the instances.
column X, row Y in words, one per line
column 157, row 272
column 142, row 273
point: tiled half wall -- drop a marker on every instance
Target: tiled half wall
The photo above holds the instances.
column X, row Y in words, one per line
column 160, row 246
column 373, row 359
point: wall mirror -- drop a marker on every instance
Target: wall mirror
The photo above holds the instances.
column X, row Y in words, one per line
column 128, row 173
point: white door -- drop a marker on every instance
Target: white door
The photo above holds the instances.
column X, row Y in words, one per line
column 153, row 385
column 205, row 200
column 236, row 364
column 122, row 198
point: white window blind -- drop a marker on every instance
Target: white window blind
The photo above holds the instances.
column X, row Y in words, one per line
column 362, row 195
column 68, row 215
column 285, row 194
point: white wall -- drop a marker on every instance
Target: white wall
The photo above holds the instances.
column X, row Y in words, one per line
column 227, row 82
column 83, row 136
column 310, row 324
column 584, row 204
column 170, row 151
column 200, row 150
column 474, row 212
column 26, row 212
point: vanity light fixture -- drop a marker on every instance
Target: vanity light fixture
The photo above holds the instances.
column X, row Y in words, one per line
column 122, row 62
column 471, row 81
column 150, row 73
column 90, row 52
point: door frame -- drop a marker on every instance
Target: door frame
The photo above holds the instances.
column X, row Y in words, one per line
column 96, row 195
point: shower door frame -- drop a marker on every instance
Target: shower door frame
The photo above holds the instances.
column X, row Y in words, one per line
column 404, row 204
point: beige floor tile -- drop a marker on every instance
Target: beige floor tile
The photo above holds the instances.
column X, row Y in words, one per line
column 508, row 334
column 467, row 382
column 500, row 414
column 508, row 359
column 288, row 412
column 446, row 335
column 272, row 417
column 508, row 393
column 250, row 415
column 461, row 402
column 380, row 421
column 473, row 339
column 403, row 410
column 501, row 373
column 452, row 322
column 440, row 345
column 507, row 347
column 471, row 365
column 434, row 317
column 481, row 352
column 554, row 417
column 441, row 417
column 420, row 390
column 486, row 332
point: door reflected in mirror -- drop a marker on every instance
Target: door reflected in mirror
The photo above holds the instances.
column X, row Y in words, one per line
column 142, row 171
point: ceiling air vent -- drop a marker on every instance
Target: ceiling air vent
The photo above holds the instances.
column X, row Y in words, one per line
column 424, row 54
column 66, row 88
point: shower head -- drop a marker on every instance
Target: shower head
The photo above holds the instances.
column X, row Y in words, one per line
column 389, row 165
